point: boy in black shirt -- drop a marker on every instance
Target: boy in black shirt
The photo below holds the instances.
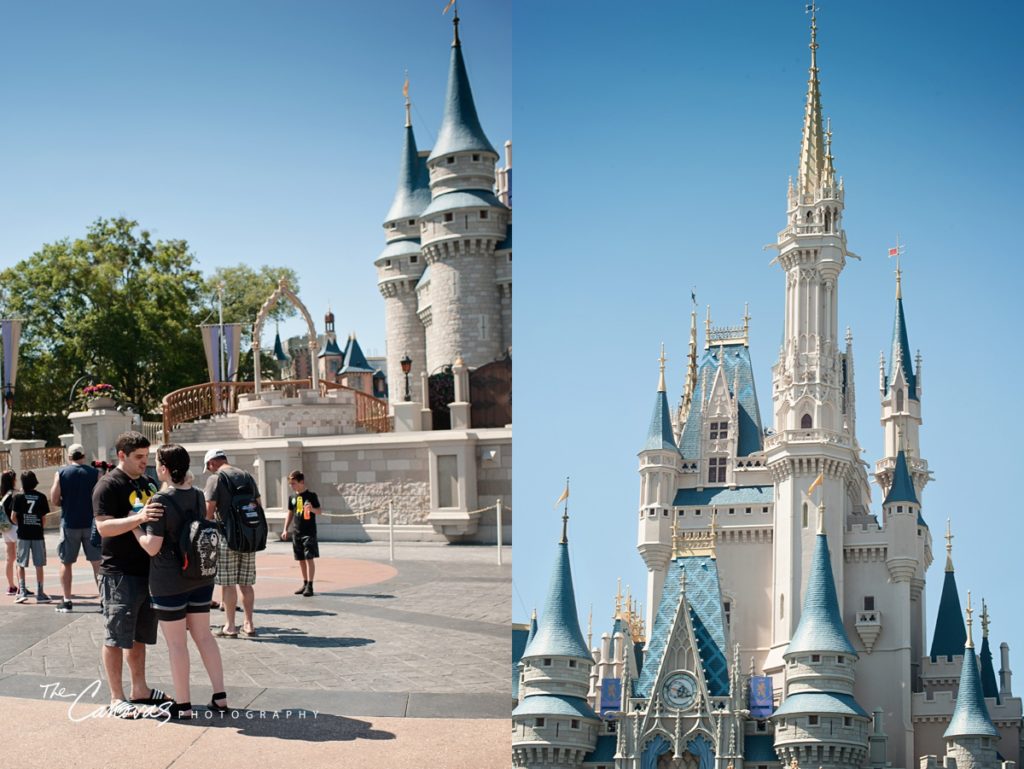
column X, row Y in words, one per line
column 300, row 525
column 28, row 511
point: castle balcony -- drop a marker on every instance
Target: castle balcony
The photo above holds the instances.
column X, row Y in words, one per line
column 805, row 436
column 869, row 627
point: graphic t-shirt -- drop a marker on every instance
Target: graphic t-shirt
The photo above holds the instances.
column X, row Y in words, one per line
column 299, row 524
column 165, row 577
column 119, row 496
column 30, row 508
column 76, row 486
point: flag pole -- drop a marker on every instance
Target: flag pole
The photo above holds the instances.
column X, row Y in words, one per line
column 565, row 514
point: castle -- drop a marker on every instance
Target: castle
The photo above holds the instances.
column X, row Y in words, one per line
column 446, row 272
column 785, row 622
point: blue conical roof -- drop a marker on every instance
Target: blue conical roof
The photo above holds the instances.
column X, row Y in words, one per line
column 988, row 673
column 821, row 626
column 901, row 352
column 533, row 628
column 460, row 127
column 902, row 488
column 659, row 434
column 970, row 716
column 355, row 361
column 279, row 354
column 330, row 347
column 950, row 633
column 558, row 632
column 413, row 193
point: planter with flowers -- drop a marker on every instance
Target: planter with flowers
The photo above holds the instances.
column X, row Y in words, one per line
column 100, row 396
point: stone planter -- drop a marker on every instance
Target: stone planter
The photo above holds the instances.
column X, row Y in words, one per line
column 102, row 402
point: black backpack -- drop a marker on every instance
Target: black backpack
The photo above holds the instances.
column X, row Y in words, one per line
column 198, row 543
column 244, row 523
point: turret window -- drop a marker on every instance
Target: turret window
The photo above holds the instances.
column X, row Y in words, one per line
column 483, row 214
column 412, row 222
column 869, row 603
column 572, row 663
column 847, row 721
column 450, row 159
column 815, row 658
column 539, row 723
column 806, row 423
column 899, row 399
column 812, row 720
column 448, row 217
column 716, row 470
column 476, row 158
column 574, row 723
column 719, row 431
column 413, row 259
column 547, row 662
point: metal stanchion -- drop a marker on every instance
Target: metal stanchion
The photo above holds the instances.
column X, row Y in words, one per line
column 498, row 510
column 391, row 531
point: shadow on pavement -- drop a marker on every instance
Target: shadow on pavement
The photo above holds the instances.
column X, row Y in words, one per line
column 299, row 612
column 298, row 724
column 358, row 595
column 292, row 635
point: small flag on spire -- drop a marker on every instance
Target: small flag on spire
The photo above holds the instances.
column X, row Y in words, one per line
column 894, row 252
column 565, row 495
column 817, row 482
column 450, row 4
column 405, row 87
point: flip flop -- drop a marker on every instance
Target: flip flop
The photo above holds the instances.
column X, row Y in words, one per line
column 156, row 697
column 223, row 633
column 248, row 633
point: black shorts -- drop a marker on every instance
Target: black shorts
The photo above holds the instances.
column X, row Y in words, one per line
column 126, row 610
column 305, row 547
column 169, row 608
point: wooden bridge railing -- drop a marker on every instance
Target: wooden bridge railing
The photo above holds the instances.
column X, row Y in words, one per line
column 48, row 456
column 212, row 398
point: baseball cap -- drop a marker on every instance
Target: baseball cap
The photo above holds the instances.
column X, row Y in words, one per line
column 76, row 451
column 214, row 454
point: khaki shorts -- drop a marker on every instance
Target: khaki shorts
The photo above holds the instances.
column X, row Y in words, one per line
column 73, row 540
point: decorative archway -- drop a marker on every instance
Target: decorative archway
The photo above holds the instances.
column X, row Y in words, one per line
column 283, row 290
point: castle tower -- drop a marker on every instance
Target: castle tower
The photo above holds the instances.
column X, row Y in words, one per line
column 814, row 431
column 330, row 358
column 460, row 231
column 659, row 475
column 400, row 265
column 553, row 725
column 819, row 722
column 971, row 736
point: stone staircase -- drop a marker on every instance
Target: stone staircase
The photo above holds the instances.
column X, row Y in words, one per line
column 213, row 430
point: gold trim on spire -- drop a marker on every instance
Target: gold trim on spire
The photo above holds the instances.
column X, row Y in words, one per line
column 970, row 637
column 812, row 160
column 618, row 600
column 949, row 546
column 661, row 369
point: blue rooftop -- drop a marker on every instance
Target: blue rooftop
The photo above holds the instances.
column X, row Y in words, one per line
column 330, row 347
column 413, row 193
column 970, row 716
column 558, row 631
column 704, row 597
column 460, row 127
column 659, row 433
column 950, row 633
column 737, row 363
column 719, row 496
column 355, row 362
column 279, row 354
column 821, row 626
column 451, row 201
column 603, row 752
column 988, row 673
column 520, row 637
column 902, row 488
column 554, row 705
column 820, row 702
column 424, row 278
column 901, row 353
column 759, row 748
column 398, row 248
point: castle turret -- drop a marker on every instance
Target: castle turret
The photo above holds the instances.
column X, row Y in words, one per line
column 553, row 725
column 819, row 722
column 460, row 230
column 400, row 266
column 330, row 357
column 971, row 737
column 950, row 635
column 659, row 474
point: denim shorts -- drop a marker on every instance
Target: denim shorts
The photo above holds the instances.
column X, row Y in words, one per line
column 169, row 608
column 126, row 610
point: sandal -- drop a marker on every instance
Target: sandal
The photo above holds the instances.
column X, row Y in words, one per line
column 156, row 697
column 124, row 709
column 178, row 708
column 213, row 702
column 248, row 633
column 222, row 632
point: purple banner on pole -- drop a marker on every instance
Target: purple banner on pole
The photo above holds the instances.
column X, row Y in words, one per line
column 611, row 695
column 760, row 696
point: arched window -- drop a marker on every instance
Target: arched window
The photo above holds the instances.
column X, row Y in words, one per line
column 809, row 217
column 828, row 221
column 899, row 399
column 805, row 515
column 806, row 422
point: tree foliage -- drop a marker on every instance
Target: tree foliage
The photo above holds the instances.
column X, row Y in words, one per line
column 245, row 291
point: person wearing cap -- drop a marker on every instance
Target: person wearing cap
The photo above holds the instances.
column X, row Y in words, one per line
column 233, row 568
column 72, row 493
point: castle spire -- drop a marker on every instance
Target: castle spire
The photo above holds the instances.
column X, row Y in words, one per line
column 900, row 360
column 970, row 716
column 950, row 635
column 413, row 193
column 659, row 432
column 812, row 158
column 691, row 366
column 988, row 671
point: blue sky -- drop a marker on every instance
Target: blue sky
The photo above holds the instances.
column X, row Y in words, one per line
column 261, row 132
column 654, row 143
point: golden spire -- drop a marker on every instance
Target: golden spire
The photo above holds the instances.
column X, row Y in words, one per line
column 661, row 369
column 984, row 619
column 565, row 514
column 970, row 637
column 949, row 546
column 812, row 159
column 691, row 365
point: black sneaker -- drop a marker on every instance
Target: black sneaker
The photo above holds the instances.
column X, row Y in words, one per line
column 64, row 606
column 308, row 591
column 302, row 589
column 42, row 597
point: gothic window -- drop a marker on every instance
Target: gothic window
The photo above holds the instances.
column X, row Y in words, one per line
column 869, row 603
column 716, row 470
column 727, row 608
column 809, row 217
column 719, row 430
column 828, row 221
column 806, row 422
column 899, row 399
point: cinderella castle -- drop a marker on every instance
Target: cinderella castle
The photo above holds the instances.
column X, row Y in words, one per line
column 786, row 622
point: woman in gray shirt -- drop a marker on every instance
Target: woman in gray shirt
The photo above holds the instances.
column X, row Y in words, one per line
column 180, row 603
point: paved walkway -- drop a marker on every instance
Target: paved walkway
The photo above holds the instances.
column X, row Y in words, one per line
column 391, row 664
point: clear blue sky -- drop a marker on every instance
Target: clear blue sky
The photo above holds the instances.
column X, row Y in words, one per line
column 654, row 142
column 261, row 132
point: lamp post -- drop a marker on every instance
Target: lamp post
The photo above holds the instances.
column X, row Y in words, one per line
column 406, row 368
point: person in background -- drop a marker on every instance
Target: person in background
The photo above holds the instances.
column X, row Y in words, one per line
column 300, row 526
column 28, row 511
column 8, row 483
column 72, row 493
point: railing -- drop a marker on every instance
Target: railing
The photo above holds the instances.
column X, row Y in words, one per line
column 211, row 398
column 49, row 456
column 154, row 431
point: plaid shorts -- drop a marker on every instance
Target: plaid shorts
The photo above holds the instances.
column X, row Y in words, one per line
column 235, row 568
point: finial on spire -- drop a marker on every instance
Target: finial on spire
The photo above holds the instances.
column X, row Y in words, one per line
column 408, row 104
column 455, row 24
column 565, row 514
column 821, row 516
column 984, row 619
column 813, row 10
column 618, row 599
column 970, row 638
column 661, row 369
column 812, row 159
column 707, row 328
column 746, row 323
column 897, row 252
column 590, row 627
column 949, row 546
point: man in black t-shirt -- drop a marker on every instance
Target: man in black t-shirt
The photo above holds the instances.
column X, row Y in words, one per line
column 300, row 526
column 121, row 503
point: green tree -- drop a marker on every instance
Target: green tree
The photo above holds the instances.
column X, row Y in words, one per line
column 114, row 305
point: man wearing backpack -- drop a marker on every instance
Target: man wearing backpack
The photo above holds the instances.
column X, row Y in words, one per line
column 232, row 498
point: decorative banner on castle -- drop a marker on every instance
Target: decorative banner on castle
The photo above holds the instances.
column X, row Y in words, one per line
column 760, row 696
column 212, row 336
column 10, row 336
column 611, row 695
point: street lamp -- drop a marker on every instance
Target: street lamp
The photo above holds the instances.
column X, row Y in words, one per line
column 406, row 368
